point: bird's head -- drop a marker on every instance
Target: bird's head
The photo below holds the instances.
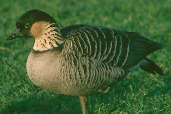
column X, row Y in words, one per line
column 26, row 25
column 42, row 27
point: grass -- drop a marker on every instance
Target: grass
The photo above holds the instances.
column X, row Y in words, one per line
column 139, row 92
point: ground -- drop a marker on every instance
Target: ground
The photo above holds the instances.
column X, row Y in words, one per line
column 139, row 92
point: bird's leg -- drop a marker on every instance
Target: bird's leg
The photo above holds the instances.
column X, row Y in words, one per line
column 83, row 101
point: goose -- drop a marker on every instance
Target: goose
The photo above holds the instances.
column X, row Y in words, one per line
column 80, row 60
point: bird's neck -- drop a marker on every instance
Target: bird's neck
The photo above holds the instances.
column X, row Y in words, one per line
column 47, row 36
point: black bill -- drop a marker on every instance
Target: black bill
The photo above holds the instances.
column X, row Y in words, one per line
column 14, row 35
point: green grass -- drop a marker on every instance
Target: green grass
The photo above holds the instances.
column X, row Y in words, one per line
column 139, row 92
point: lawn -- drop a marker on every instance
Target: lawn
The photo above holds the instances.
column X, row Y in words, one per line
column 139, row 92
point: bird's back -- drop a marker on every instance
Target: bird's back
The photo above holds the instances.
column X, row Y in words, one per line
column 108, row 46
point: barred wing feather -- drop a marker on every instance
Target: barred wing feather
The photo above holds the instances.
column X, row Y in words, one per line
column 109, row 46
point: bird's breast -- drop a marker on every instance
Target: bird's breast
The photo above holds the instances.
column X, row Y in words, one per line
column 63, row 75
column 44, row 70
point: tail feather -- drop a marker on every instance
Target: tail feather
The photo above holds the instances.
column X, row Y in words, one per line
column 151, row 67
column 140, row 47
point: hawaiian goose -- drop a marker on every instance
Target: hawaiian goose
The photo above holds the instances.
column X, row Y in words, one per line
column 81, row 59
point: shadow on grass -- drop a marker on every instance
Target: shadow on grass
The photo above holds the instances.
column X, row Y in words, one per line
column 58, row 104
column 117, row 98
column 127, row 95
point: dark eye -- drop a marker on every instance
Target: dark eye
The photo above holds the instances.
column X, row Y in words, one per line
column 26, row 26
